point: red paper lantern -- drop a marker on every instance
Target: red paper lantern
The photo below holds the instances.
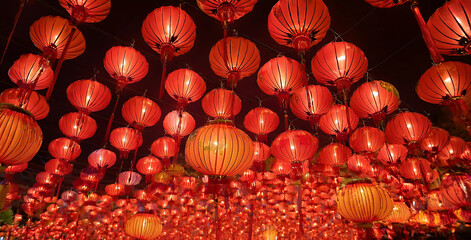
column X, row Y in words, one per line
column 115, row 189
column 281, row 76
column 11, row 169
column 339, row 64
column 392, row 153
column 415, row 168
column 58, row 167
column 31, row 71
column 149, row 165
column 35, row 103
column 452, row 150
column 340, row 120
column 260, row 151
column 334, row 154
column 294, row 146
column 221, row 104
column 298, row 24
column 45, row 178
column 64, row 148
column 435, row 140
column 126, row 65
column 456, row 188
column 240, row 59
column 450, row 28
column 385, row 3
column 102, row 158
column 125, row 140
column 219, row 149
column 311, row 102
column 436, row 202
column 129, row 178
column 81, row 186
column 358, row 163
column 88, row 95
column 50, row 34
column 77, row 126
column 143, row 226
column 164, row 148
column 185, row 86
column 407, row 128
column 20, row 136
column 367, row 140
column 374, row 100
column 89, row 11
column 141, row 112
column 281, row 167
column 261, row 121
column 226, row 11
column 91, row 175
column 178, row 124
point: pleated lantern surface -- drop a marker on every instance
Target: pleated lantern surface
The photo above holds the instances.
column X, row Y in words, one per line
column 20, row 136
column 36, row 104
column 294, row 146
column 311, row 102
column 367, row 140
column 226, row 10
column 185, row 86
column 435, row 140
column 407, row 127
column 141, row 112
column 221, row 104
column 385, row 3
column 178, row 125
column 126, row 65
column 89, row 11
column 143, row 226
column 261, row 121
column 88, row 95
column 31, row 71
column 400, row 213
column 219, row 149
column 340, row 121
column 64, row 148
column 77, row 126
column 125, row 140
column 102, row 158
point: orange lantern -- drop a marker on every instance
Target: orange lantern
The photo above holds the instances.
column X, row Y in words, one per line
column 87, row 11
column 88, row 95
column 294, row 146
column 400, row 213
column 407, row 128
column 178, row 124
column 340, row 120
column 219, row 149
column 185, row 86
column 125, row 140
column 311, row 102
column 102, row 158
column 126, row 65
column 141, row 112
column 149, row 165
column 115, row 189
column 261, row 121
column 64, row 148
column 392, row 153
column 143, row 226
column 367, row 140
column 358, row 163
column 20, row 136
column 334, row 154
column 31, row 71
column 58, row 167
column 415, row 168
column 456, row 188
column 77, row 126
column 35, row 103
column 221, row 104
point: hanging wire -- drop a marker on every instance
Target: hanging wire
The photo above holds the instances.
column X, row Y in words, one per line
column 358, row 22
column 394, row 53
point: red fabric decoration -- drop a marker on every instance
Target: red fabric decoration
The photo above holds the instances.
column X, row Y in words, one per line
column 221, row 104
column 129, row 178
column 456, row 188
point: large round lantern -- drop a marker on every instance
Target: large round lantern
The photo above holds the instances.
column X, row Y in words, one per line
column 141, row 112
column 240, row 59
column 407, row 128
column 149, row 165
column 219, row 149
column 126, row 65
column 298, row 24
column 400, row 213
column 31, row 71
column 456, row 188
column 35, row 103
column 88, row 95
column 364, row 202
column 294, row 146
column 20, row 136
column 415, row 168
column 340, row 120
column 178, row 124
column 311, row 102
column 374, row 100
column 261, row 121
column 221, row 104
column 143, row 226
column 185, row 86
column 367, row 140
column 102, row 158
column 392, row 153
column 385, row 3
column 334, row 154
column 451, row 29
column 64, row 148
column 339, row 64
column 435, row 140
column 164, row 148
column 51, row 33
column 125, row 139
column 77, row 126
column 358, row 163
column 89, row 11
column 281, row 76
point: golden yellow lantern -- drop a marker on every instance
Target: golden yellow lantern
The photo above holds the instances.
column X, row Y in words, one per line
column 270, row 233
column 143, row 226
column 400, row 213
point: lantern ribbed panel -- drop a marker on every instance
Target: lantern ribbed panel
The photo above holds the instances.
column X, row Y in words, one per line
column 125, row 63
column 407, row 127
column 436, row 202
column 339, row 61
column 239, row 8
column 364, row 202
column 115, row 189
column 141, row 112
column 313, row 100
column 125, row 139
column 185, row 84
column 294, row 146
column 392, row 153
column 88, row 95
column 298, row 24
column 385, row 3
column 219, row 149
column 444, row 81
column 280, row 74
column 64, row 148
column 334, row 154
column 95, row 10
column 367, row 139
column 456, row 188
column 20, row 136
column 77, row 126
column 261, row 121
column 16, row 168
column 221, row 103
column 453, row 149
column 450, row 27
column 149, row 165
column 176, row 125
column 169, row 25
column 143, row 226
column 164, row 147
column 26, row 69
column 58, row 167
column 36, row 104
column 52, row 32
column 412, row 168
column 435, row 140
column 281, row 167
column 400, row 213
column 337, row 121
column 102, row 158
column 358, row 163
column 260, row 151
column 243, row 58
column 375, row 97
column 129, row 178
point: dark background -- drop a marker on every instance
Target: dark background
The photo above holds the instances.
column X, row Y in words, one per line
column 390, row 39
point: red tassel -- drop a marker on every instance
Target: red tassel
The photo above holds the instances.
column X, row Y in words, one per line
column 436, row 56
